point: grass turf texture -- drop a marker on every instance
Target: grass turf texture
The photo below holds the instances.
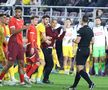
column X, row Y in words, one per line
column 61, row 82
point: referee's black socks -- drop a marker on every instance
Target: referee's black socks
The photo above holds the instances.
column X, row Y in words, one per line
column 77, row 78
column 85, row 76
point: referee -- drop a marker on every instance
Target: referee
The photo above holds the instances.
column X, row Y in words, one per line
column 84, row 37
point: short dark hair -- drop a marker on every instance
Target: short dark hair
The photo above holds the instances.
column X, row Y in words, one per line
column 98, row 18
column 32, row 17
column 85, row 18
column 69, row 19
column 6, row 15
column 98, row 11
column 45, row 16
column 1, row 15
column 18, row 8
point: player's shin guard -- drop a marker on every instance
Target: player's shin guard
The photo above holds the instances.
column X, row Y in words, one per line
column 34, row 75
column 11, row 72
column 7, row 76
column 28, row 67
column 21, row 78
column 16, row 69
column 2, row 75
column 68, row 67
column 40, row 71
column 32, row 70
column 96, row 68
column 103, row 67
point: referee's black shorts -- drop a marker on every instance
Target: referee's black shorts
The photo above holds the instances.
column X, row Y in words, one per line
column 82, row 55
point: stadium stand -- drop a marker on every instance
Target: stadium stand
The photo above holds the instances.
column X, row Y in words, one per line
column 40, row 11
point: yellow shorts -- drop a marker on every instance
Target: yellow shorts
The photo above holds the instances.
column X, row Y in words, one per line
column 41, row 55
column 2, row 55
column 68, row 51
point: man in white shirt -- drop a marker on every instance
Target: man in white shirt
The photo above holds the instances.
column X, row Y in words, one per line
column 10, row 2
column 99, row 46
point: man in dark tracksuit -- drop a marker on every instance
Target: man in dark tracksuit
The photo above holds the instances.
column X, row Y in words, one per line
column 84, row 38
column 47, row 49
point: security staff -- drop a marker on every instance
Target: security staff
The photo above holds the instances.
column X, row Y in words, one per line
column 47, row 49
column 84, row 38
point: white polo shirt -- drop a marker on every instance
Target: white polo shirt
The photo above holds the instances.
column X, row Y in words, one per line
column 99, row 36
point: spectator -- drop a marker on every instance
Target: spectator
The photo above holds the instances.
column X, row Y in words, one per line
column 33, row 2
column 101, row 3
column 10, row 2
column 2, row 2
column 99, row 12
column 26, row 2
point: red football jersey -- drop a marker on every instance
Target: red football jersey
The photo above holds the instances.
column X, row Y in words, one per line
column 17, row 24
column 32, row 36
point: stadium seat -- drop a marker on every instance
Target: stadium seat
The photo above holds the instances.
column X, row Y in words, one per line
column 40, row 13
column 47, row 13
column 1, row 11
column 56, row 13
column 63, row 13
column 73, row 14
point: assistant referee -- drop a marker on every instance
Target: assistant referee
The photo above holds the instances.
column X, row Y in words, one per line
column 84, row 38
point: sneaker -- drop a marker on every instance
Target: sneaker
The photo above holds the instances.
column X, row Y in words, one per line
column 39, row 82
column 14, row 80
column 25, row 85
column 33, row 80
column 66, row 72
column 54, row 71
column 91, row 86
column 61, row 72
column 96, row 75
column 27, row 80
column 1, row 83
column 102, row 74
column 9, row 83
column 72, row 88
column 47, row 82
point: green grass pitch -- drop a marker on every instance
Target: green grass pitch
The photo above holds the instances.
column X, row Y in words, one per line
column 61, row 82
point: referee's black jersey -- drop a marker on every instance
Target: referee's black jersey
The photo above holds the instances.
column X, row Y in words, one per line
column 86, row 34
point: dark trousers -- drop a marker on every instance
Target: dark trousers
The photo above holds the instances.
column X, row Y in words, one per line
column 49, row 62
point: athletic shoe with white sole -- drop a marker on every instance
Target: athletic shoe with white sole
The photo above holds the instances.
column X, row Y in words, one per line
column 1, row 83
column 25, row 85
column 39, row 82
column 9, row 83
column 91, row 87
column 72, row 88
column 27, row 80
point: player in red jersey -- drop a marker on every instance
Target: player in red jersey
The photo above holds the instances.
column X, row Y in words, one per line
column 15, row 46
column 32, row 48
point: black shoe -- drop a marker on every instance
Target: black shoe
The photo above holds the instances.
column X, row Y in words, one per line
column 91, row 86
column 47, row 82
column 1, row 83
column 72, row 88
